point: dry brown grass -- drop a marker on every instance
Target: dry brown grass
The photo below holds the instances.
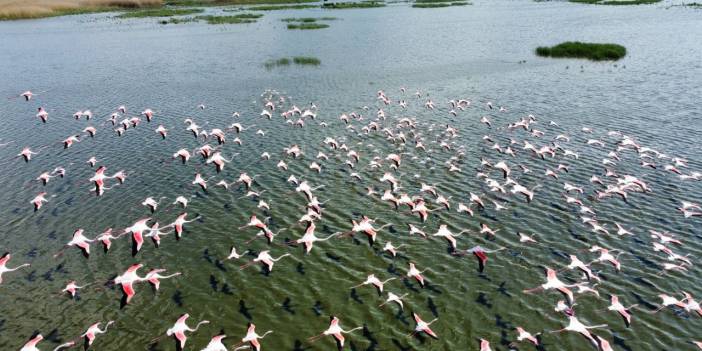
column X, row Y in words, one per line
column 18, row 9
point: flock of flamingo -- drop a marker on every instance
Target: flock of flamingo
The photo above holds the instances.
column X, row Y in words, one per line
column 580, row 276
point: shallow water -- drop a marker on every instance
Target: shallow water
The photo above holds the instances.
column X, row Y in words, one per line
column 97, row 62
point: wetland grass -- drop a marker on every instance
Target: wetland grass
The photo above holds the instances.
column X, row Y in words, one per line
column 590, row 51
column 307, row 19
column 27, row 9
column 434, row 4
column 304, row 26
column 352, row 5
column 234, row 19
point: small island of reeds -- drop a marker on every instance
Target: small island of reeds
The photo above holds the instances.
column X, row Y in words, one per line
column 424, row 4
column 307, row 22
column 234, row 19
column 298, row 60
column 616, row 2
column 352, row 5
column 590, row 51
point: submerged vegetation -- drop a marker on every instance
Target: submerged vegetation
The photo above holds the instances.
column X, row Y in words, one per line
column 234, row 19
column 591, row 51
column 24, row 9
column 298, row 60
column 160, row 12
column 352, row 5
column 616, row 2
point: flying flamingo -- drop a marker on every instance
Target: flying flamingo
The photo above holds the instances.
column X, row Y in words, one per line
column 153, row 277
column 525, row 335
column 180, row 222
column 252, row 338
column 423, row 327
column 39, row 200
column 3, row 265
column 623, row 311
column 80, row 241
column 180, row 327
column 575, row 325
column 93, row 331
column 31, row 345
column 552, row 282
column 372, row 279
column 127, row 280
column 106, row 238
column 308, row 239
column 72, row 287
column 413, row 272
column 266, row 259
column 138, row 229
column 336, row 332
column 27, row 154
column 394, row 298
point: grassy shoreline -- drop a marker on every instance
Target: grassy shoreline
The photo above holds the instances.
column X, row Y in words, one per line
column 590, row 51
column 34, row 9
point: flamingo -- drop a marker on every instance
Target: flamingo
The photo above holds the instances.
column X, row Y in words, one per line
column 94, row 330
column 3, row 265
column 180, row 327
column 127, row 280
column 335, row 331
column 423, row 327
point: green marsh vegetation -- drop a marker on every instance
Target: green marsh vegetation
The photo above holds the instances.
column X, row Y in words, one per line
column 297, row 60
column 303, row 26
column 307, row 22
column 159, row 12
column 616, row 2
column 234, row 19
column 424, row 4
column 352, row 5
column 590, row 51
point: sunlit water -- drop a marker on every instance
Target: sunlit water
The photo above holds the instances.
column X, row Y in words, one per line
column 97, row 62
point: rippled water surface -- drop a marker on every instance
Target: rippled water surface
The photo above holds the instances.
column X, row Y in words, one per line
column 482, row 52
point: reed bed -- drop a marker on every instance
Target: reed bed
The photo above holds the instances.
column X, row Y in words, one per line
column 591, row 51
column 24, row 9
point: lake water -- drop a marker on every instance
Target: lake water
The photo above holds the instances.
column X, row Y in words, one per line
column 482, row 52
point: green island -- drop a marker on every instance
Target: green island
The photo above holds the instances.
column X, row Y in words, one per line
column 233, row 19
column 590, row 51
column 352, row 5
column 298, row 60
column 424, row 4
column 307, row 22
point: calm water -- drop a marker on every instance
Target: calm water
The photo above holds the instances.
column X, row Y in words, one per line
column 97, row 62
